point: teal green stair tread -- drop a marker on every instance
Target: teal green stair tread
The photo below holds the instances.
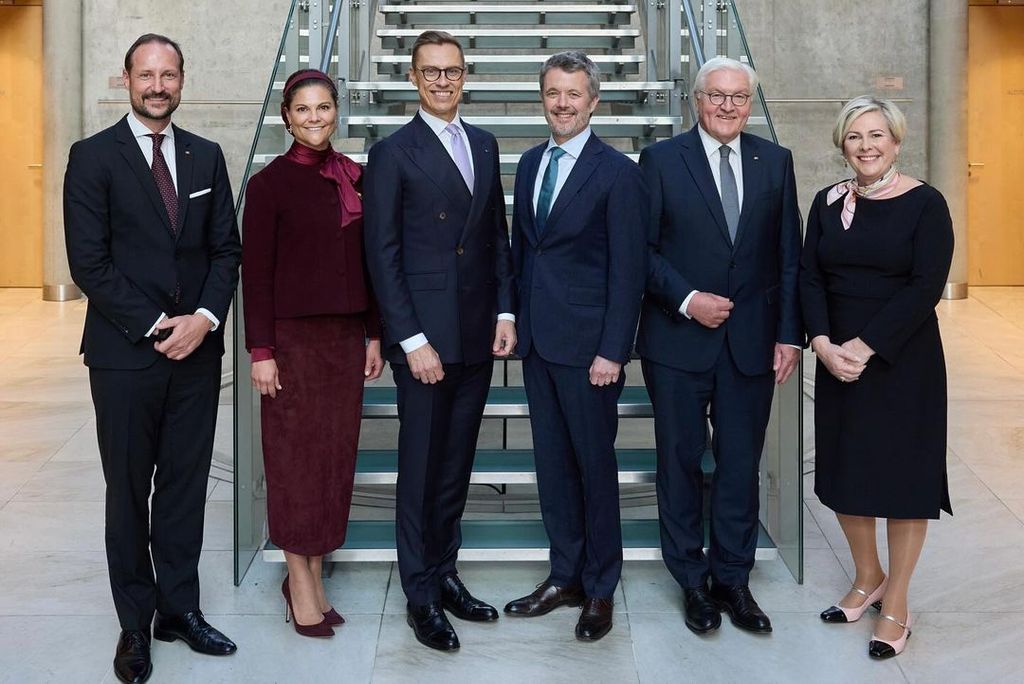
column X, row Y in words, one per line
column 381, row 402
column 518, row 460
column 509, row 534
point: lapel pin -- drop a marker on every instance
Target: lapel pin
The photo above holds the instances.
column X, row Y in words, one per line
column 188, row 152
column 755, row 157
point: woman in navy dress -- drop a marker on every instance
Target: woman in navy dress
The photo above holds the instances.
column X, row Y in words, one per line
column 875, row 261
column 309, row 311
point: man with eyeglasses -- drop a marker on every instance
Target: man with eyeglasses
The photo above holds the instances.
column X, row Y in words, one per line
column 438, row 253
column 720, row 326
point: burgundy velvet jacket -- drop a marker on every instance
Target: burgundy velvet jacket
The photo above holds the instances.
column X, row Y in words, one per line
column 297, row 260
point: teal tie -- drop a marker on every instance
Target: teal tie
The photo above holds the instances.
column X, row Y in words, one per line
column 547, row 188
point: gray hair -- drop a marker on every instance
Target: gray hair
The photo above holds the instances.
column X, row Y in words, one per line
column 862, row 105
column 572, row 61
column 724, row 64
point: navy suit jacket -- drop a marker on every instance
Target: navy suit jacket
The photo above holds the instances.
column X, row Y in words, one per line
column 123, row 255
column 689, row 249
column 581, row 282
column 437, row 255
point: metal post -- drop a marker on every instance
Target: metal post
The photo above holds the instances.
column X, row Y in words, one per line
column 316, row 32
column 709, row 22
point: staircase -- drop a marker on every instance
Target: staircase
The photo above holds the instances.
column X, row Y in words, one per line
column 648, row 55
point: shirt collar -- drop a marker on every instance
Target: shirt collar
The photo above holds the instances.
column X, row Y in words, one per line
column 139, row 129
column 711, row 145
column 438, row 124
column 574, row 146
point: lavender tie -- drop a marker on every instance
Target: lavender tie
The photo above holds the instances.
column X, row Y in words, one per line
column 461, row 155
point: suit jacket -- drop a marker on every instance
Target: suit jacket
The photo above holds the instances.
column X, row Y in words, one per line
column 689, row 249
column 122, row 252
column 438, row 256
column 581, row 282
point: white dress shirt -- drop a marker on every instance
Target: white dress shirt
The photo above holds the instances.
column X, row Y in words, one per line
column 145, row 142
column 712, row 148
column 573, row 149
column 439, row 126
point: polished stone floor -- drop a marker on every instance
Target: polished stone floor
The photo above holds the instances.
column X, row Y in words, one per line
column 57, row 622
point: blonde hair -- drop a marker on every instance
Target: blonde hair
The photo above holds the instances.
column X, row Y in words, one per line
column 862, row 105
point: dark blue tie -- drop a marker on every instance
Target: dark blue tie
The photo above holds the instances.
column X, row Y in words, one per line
column 547, row 188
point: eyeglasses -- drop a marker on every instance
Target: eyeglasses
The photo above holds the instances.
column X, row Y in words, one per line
column 718, row 99
column 433, row 73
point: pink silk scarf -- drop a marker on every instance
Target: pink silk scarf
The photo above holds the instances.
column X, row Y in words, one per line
column 849, row 190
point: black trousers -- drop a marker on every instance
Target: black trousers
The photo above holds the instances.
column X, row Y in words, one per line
column 574, row 425
column 740, row 409
column 439, row 426
column 155, row 428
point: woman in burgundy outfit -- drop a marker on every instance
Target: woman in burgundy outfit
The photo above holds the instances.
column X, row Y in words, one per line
column 309, row 310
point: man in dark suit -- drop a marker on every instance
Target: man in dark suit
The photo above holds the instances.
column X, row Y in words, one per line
column 438, row 254
column 578, row 251
column 720, row 323
column 152, row 242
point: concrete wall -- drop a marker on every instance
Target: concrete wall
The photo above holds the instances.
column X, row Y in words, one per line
column 821, row 48
column 229, row 49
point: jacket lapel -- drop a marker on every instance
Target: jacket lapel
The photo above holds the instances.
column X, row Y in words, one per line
column 183, row 170
column 529, row 164
column 753, row 177
column 483, row 161
column 582, row 170
column 696, row 161
column 430, row 156
column 137, row 163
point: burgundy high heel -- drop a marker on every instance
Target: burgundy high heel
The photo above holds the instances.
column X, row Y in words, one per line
column 320, row 629
column 333, row 618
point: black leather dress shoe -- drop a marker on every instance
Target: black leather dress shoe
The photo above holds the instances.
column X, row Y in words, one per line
column 743, row 610
column 457, row 600
column 132, row 663
column 595, row 620
column 194, row 630
column 702, row 613
column 544, row 599
column 431, row 627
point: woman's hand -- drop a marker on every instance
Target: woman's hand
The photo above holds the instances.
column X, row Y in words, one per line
column 265, row 377
column 842, row 362
column 374, row 361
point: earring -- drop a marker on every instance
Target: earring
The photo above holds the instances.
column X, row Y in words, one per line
column 288, row 128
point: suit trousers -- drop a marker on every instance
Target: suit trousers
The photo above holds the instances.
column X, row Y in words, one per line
column 437, row 435
column 574, row 425
column 740, row 408
column 155, row 428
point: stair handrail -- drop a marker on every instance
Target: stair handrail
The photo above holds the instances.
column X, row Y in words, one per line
column 332, row 33
column 750, row 61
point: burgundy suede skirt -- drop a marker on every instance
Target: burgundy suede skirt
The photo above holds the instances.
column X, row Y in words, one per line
column 311, row 431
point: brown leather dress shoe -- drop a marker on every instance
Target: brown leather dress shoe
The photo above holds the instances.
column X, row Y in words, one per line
column 595, row 620
column 545, row 598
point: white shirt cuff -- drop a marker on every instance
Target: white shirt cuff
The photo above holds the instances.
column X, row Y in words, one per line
column 794, row 346
column 413, row 343
column 507, row 317
column 158, row 321
column 208, row 314
column 686, row 304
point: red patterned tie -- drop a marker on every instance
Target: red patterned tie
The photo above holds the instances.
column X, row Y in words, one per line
column 164, row 182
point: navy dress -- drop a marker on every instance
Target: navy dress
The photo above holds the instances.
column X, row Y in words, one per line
column 880, row 441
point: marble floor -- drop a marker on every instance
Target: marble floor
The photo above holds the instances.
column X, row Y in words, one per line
column 57, row 622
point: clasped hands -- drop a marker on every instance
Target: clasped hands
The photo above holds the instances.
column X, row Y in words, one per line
column 845, row 361
column 187, row 333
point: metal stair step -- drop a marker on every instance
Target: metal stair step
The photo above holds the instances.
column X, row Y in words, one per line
column 511, row 466
column 521, row 37
column 512, row 64
column 502, row 540
column 505, row 13
column 503, row 402
column 643, row 126
column 508, row 91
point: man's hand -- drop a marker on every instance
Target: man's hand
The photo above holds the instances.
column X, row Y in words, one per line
column 265, row 377
column 187, row 334
column 425, row 365
column 374, row 361
column 504, row 338
column 708, row 309
column 786, row 358
column 604, row 372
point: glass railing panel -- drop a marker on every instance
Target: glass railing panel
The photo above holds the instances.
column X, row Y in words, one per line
column 250, row 491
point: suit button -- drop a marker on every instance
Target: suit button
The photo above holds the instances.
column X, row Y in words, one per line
column 442, row 216
column 732, row 264
column 459, row 250
column 539, row 252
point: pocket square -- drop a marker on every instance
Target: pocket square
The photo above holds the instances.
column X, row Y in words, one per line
column 200, row 193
